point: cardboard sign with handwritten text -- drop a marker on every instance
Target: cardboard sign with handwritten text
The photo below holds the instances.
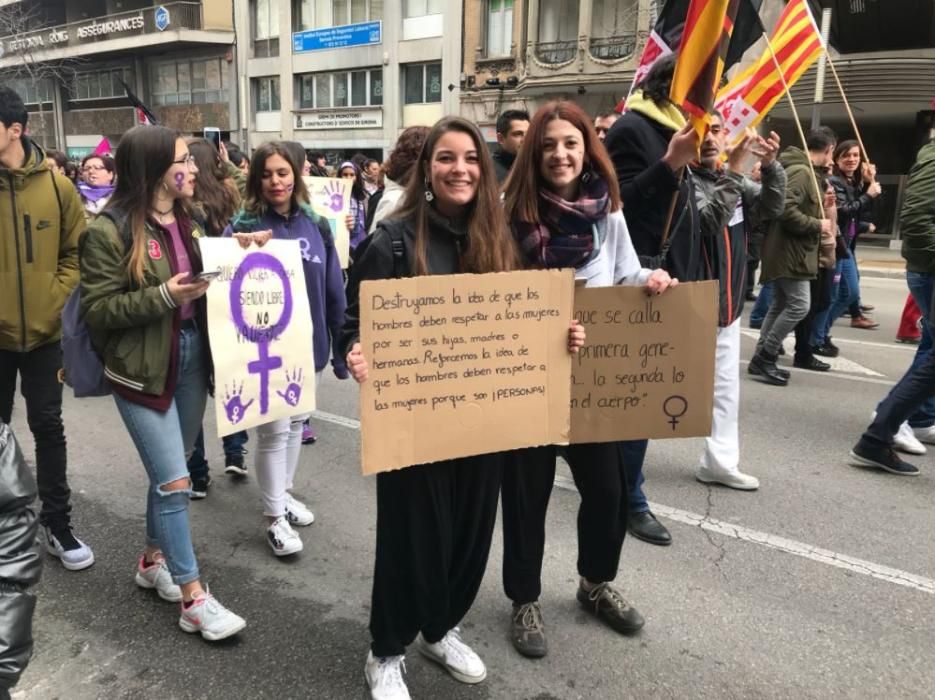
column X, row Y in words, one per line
column 260, row 328
column 463, row 365
column 331, row 198
column 647, row 367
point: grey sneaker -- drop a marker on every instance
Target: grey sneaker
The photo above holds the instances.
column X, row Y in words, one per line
column 607, row 604
column 62, row 544
column 528, row 630
column 156, row 576
column 207, row 616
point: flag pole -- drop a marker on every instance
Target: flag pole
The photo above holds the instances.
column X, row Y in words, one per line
column 675, row 198
column 847, row 106
column 795, row 116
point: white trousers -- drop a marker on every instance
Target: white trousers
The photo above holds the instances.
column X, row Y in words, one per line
column 278, row 444
column 722, row 449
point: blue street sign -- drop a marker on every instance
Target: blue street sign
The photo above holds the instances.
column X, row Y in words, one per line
column 363, row 34
column 161, row 18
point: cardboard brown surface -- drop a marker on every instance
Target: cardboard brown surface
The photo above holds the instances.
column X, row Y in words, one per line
column 647, row 367
column 463, row 365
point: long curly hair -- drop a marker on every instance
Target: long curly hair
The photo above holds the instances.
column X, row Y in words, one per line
column 216, row 194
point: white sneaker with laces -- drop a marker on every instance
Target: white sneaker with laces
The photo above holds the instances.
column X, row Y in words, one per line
column 734, row 480
column 297, row 513
column 455, row 656
column 157, row 576
column 207, row 616
column 282, row 538
column 926, row 435
column 385, row 677
column 906, row 440
column 74, row 554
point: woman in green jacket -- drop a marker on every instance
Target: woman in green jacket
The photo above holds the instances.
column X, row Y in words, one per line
column 142, row 301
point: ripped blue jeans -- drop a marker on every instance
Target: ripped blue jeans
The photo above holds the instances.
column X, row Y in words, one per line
column 163, row 439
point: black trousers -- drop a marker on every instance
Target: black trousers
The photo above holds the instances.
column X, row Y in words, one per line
column 434, row 527
column 528, row 476
column 40, row 386
column 820, row 289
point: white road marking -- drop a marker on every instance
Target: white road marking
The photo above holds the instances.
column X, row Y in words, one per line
column 831, row 375
column 841, row 364
column 799, row 549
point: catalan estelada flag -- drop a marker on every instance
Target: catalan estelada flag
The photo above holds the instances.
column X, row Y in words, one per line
column 751, row 94
column 708, row 28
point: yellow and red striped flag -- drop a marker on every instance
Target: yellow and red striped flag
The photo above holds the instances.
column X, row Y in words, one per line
column 751, row 94
column 708, row 28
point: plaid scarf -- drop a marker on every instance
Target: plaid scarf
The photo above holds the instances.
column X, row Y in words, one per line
column 564, row 236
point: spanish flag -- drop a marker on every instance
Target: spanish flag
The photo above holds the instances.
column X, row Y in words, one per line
column 708, row 29
column 796, row 42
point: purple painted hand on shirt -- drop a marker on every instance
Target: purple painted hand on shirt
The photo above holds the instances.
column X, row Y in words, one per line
column 294, row 391
column 233, row 406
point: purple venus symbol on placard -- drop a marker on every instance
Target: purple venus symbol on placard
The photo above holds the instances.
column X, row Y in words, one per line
column 261, row 336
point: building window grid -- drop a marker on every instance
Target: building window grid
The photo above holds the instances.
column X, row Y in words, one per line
column 33, row 91
column 353, row 88
column 267, row 94
column 307, row 14
column 499, row 29
column 265, row 17
column 422, row 83
column 421, row 8
column 199, row 81
column 100, row 84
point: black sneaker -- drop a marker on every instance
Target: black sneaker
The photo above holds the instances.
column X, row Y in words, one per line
column 234, row 465
column 200, row 487
column 764, row 366
column 528, row 631
column 605, row 602
column 883, row 458
column 827, row 349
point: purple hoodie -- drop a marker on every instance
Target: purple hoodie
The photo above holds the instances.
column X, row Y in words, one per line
column 324, row 281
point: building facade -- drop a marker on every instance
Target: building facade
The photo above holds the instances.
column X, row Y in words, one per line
column 346, row 76
column 518, row 54
column 69, row 61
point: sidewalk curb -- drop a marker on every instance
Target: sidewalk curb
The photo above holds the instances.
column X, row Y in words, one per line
column 885, row 272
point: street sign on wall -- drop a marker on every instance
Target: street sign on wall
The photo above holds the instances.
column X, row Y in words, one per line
column 343, row 119
column 363, row 34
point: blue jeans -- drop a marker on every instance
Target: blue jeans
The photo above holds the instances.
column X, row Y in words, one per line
column 921, row 286
column 198, row 464
column 763, row 300
column 633, row 454
column 846, row 292
column 162, row 440
column 911, row 398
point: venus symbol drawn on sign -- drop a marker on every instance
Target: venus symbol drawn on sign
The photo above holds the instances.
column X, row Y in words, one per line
column 266, row 363
column 675, row 407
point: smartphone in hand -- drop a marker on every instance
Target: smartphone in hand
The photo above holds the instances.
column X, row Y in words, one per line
column 206, row 276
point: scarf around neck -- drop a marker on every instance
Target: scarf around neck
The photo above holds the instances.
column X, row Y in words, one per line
column 668, row 115
column 564, row 236
column 93, row 193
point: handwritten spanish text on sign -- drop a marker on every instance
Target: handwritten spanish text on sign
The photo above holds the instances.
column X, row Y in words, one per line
column 260, row 328
column 647, row 367
column 463, row 365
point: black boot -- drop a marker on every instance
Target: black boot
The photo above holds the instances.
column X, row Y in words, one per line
column 763, row 366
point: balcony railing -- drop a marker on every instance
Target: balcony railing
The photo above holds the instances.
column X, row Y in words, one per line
column 148, row 20
column 556, row 51
column 612, row 48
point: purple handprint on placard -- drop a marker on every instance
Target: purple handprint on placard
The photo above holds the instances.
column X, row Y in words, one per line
column 333, row 196
column 233, row 406
column 294, row 390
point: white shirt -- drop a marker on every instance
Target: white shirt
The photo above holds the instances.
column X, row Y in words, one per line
column 616, row 261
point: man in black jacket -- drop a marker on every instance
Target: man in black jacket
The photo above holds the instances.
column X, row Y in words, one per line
column 511, row 130
column 651, row 146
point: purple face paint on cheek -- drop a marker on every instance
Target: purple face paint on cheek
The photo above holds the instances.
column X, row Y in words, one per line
column 290, row 188
column 179, row 181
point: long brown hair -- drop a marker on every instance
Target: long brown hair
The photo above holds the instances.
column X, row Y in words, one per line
column 143, row 156
column 490, row 246
column 215, row 192
column 254, row 202
column 522, row 187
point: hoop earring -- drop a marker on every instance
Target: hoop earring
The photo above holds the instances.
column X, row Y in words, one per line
column 429, row 195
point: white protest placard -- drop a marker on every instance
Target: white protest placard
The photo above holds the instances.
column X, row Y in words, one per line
column 260, row 328
column 331, row 199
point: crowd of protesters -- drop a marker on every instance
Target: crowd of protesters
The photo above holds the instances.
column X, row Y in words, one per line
column 634, row 199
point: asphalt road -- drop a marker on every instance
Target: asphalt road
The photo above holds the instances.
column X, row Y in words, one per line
column 818, row 585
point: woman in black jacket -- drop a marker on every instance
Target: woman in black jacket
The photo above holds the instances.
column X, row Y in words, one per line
column 854, row 189
column 434, row 521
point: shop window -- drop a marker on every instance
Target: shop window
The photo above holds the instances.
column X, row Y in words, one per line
column 422, row 83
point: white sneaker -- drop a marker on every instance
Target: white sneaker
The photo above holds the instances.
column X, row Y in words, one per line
column 157, row 576
column 734, row 480
column 207, row 616
column 74, row 554
column 456, row 656
column 906, row 440
column 385, row 677
column 926, row 435
column 282, row 538
column 297, row 513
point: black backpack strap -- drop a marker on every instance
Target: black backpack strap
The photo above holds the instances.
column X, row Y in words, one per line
column 399, row 251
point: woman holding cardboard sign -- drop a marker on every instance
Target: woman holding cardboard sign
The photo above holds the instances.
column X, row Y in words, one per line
column 434, row 521
column 142, row 301
column 277, row 205
column 563, row 204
